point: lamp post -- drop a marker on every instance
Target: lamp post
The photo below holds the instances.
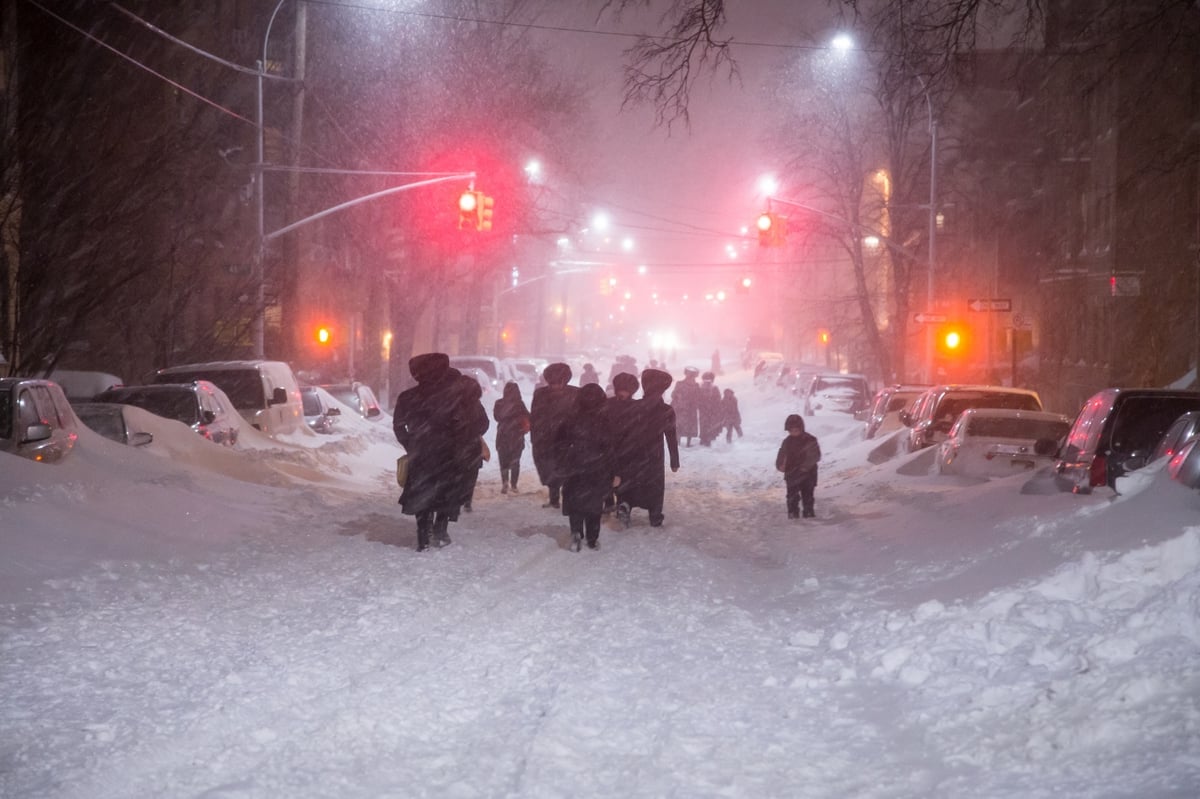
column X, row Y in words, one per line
column 933, row 138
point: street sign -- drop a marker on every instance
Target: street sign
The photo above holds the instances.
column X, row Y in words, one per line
column 928, row 318
column 990, row 305
column 1021, row 322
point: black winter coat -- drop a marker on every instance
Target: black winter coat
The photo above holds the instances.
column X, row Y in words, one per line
column 551, row 406
column 798, row 457
column 685, row 399
column 512, row 423
column 654, row 425
column 584, row 462
column 430, row 423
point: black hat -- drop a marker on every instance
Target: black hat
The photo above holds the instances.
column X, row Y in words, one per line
column 655, row 381
column 623, row 381
column 557, row 374
column 708, row 376
column 794, row 421
column 590, row 398
column 428, row 367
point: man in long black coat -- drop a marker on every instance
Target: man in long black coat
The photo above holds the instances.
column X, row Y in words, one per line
column 430, row 423
column 685, row 399
column 654, row 423
column 622, row 417
column 551, row 405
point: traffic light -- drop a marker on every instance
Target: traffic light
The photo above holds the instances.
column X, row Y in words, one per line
column 468, row 209
column 772, row 229
column 323, row 335
column 485, row 205
column 953, row 340
column 823, row 336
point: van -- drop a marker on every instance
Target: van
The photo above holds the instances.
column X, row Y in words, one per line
column 498, row 372
column 1115, row 432
column 265, row 393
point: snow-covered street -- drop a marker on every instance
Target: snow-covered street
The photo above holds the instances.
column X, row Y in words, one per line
column 182, row 621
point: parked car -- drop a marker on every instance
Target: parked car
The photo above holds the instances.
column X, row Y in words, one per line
column 36, row 421
column 81, row 386
column 319, row 413
column 200, row 405
column 358, row 396
column 836, row 392
column 883, row 416
column 496, row 370
column 1116, row 431
column 111, row 420
column 528, row 371
column 265, row 393
column 1184, row 465
column 933, row 414
column 997, row 442
column 490, row 394
column 1182, row 430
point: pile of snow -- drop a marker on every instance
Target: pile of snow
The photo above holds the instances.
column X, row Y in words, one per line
column 185, row 620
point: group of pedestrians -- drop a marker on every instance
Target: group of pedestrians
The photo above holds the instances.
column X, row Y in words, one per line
column 594, row 453
column 702, row 411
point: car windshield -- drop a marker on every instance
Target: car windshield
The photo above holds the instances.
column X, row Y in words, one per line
column 487, row 366
column 1031, row 429
column 6, row 421
column 244, row 387
column 312, row 405
column 952, row 406
column 841, row 384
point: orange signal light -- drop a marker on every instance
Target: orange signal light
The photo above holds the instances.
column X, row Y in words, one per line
column 323, row 335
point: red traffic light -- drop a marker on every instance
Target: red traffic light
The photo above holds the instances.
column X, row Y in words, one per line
column 323, row 335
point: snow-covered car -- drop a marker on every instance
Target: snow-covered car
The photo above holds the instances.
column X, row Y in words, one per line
column 1184, row 465
column 997, row 442
column 36, row 420
column 200, row 404
column 358, row 396
column 112, row 420
column 931, row 415
column 884, row 413
column 837, row 393
column 319, row 413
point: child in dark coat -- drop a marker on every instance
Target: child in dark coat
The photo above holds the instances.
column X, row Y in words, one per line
column 797, row 459
column 731, row 417
column 585, row 461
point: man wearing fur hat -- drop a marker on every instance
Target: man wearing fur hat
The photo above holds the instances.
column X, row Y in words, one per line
column 432, row 420
column 550, row 407
column 643, row 484
column 685, row 400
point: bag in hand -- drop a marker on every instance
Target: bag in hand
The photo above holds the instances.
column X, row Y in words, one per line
column 402, row 470
column 485, row 452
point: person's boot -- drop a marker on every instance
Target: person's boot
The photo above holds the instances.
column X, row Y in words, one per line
column 441, row 536
column 424, row 527
column 504, row 481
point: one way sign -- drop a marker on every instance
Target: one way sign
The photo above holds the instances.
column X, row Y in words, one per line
column 990, row 305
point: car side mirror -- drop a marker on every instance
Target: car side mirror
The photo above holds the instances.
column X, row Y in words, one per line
column 140, row 439
column 279, row 396
column 1046, row 446
column 208, row 417
column 333, row 412
column 906, row 418
column 373, row 412
column 35, row 433
column 1135, row 461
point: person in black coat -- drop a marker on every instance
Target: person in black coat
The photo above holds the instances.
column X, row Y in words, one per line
column 622, row 418
column 512, row 423
column 731, row 417
column 685, row 399
column 584, row 460
column 797, row 459
column 474, row 423
column 589, row 375
column 550, row 407
column 429, row 423
column 708, row 406
column 644, row 484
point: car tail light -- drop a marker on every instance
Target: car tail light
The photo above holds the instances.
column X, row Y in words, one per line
column 1098, row 471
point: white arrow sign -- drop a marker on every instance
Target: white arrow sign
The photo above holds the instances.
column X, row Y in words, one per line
column 990, row 305
column 926, row 318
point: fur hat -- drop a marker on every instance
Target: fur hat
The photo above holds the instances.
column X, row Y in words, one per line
column 557, row 374
column 793, row 422
column 690, row 371
column 590, row 398
column 655, row 381
column 429, row 367
column 623, row 381
column 708, row 377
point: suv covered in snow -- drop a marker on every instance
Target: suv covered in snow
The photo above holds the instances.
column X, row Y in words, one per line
column 932, row 415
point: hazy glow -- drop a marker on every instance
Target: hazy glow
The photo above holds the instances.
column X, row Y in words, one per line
column 842, row 42
column 768, row 185
column 627, row 244
column 872, row 242
column 600, row 221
